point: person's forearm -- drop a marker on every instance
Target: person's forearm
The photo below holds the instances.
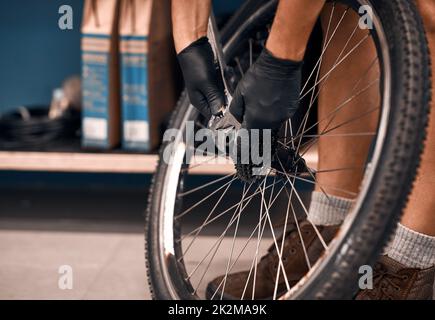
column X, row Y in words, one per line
column 189, row 21
column 292, row 27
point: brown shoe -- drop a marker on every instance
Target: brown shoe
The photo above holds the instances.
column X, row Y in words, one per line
column 393, row 281
column 293, row 259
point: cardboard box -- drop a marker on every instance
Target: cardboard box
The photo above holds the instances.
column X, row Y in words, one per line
column 148, row 71
column 134, row 28
column 100, row 74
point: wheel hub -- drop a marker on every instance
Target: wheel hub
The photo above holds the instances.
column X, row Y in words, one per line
column 285, row 161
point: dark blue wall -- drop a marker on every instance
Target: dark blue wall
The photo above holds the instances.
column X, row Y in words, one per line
column 35, row 55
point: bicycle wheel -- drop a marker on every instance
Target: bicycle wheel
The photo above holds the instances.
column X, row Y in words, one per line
column 194, row 233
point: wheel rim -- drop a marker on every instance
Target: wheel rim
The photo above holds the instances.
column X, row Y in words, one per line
column 175, row 273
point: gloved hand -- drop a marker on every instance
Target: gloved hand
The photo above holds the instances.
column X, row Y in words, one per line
column 268, row 94
column 202, row 78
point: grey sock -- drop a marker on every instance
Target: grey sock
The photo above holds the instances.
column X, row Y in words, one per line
column 411, row 248
column 328, row 210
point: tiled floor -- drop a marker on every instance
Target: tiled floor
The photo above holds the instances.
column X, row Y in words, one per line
column 104, row 265
column 98, row 233
column 93, row 232
column 97, row 237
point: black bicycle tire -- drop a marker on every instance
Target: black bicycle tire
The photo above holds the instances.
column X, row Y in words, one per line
column 391, row 185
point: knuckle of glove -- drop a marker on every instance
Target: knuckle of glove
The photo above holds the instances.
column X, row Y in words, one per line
column 268, row 102
column 264, row 118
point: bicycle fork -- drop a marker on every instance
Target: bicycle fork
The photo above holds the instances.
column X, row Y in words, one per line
column 220, row 122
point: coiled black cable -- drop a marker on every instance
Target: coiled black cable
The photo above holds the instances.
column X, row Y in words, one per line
column 30, row 128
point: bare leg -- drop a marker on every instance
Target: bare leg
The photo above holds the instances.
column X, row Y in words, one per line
column 351, row 77
column 290, row 31
column 420, row 212
column 292, row 27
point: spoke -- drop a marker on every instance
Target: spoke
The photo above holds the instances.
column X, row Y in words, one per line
column 232, row 246
column 247, row 200
column 217, row 248
column 314, row 141
column 275, row 291
column 239, row 66
column 255, row 260
column 204, row 199
column 323, row 84
column 344, row 47
column 276, row 247
column 216, row 244
column 285, row 133
column 319, row 64
column 336, row 65
column 196, row 165
column 339, row 169
column 205, row 185
column 246, row 244
column 307, row 259
column 250, row 52
column 233, row 218
column 259, row 236
column 357, row 134
column 208, row 217
column 326, row 43
column 288, row 124
column 338, row 108
column 308, row 145
column 313, row 182
column 283, row 145
column 304, row 249
column 262, row 225
column 318, row 184
column 312, row 99
column 305, row 209
column 291, row 134
column 335, row 112
column 238, row 257
column 365, row 73
column 351, row 120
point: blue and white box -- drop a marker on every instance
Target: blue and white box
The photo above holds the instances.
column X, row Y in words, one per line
column 100, row 74
column 135, row 112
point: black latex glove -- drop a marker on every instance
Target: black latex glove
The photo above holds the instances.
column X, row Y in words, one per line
column 202, row 78
column 268, row 94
